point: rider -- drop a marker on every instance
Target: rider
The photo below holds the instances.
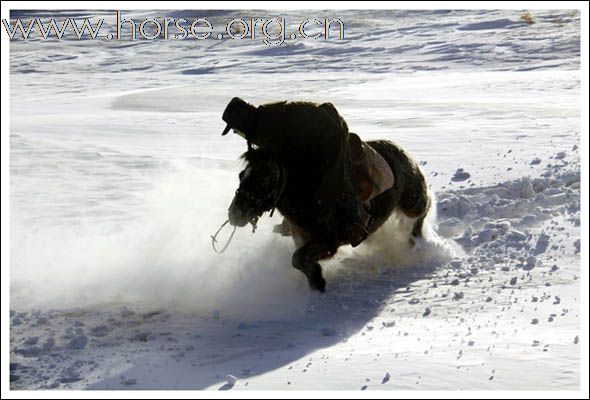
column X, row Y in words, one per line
column 294, row 128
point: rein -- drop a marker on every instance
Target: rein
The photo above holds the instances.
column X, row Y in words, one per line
column 214, row 238
column 231, row 236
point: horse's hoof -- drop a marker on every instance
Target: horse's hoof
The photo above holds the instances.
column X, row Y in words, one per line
column 321, row 286
column 316, row 280
column 318, row 284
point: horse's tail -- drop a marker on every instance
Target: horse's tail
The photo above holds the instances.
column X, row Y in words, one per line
column 410, row 187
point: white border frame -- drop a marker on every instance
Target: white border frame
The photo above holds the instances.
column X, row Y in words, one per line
column 341, row 5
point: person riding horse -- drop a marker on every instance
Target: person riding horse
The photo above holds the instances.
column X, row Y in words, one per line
column 331, row 188
column 304, row 132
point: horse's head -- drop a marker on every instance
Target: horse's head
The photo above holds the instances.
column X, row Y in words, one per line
column 261, row 185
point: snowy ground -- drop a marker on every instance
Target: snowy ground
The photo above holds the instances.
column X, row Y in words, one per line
column 119, row 175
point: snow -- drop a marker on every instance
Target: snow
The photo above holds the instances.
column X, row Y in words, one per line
column 231, row 380
column 77, row 343
column 119, row 175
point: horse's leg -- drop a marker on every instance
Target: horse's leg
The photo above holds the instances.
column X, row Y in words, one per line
column 284, row 228
column 419, row 223
column 305, row 259
column 299, row 236
column 417, row 228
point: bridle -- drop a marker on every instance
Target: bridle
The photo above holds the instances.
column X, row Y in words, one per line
column 281, row 187
column 276, row 197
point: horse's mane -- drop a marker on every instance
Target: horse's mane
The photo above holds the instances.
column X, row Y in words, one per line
column 255, row 155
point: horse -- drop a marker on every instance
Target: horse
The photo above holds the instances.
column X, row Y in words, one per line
column 268, row 183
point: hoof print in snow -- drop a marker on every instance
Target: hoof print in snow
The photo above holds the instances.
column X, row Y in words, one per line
column 78, row 343
column 513, row 280
column 230, row 381
column 458, row 296
column 460, row 175
column 142, row 337
column 100, row 331
column 328, row 331
column 531, row 262
column 28, row 352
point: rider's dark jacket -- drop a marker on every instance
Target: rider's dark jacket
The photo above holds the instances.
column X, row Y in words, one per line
column 298, row 131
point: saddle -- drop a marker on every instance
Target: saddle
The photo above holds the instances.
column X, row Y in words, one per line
column 371, row 172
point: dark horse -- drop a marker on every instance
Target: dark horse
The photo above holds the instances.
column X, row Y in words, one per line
column 267, row 183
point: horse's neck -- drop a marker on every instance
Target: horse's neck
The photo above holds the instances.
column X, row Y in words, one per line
column 300, row 188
